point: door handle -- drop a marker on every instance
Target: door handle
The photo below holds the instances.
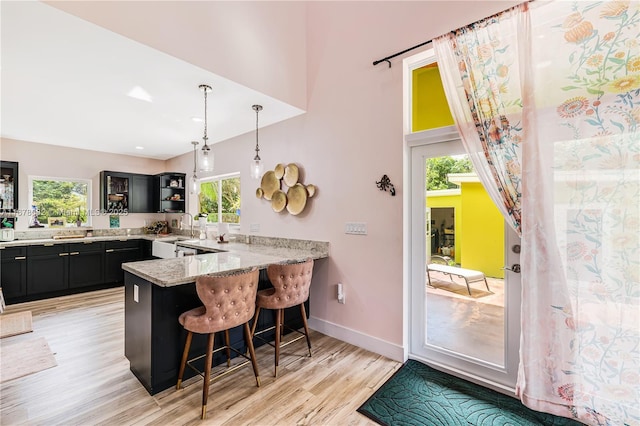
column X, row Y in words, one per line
column 514, row 268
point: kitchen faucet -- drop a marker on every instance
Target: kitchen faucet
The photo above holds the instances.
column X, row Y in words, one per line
column 191, row 221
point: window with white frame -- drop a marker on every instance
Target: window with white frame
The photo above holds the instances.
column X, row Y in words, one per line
column 60, row 201
column 220, row 199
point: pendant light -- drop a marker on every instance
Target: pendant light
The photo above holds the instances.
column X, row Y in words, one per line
column 206, row 155
column 256, row 164
column 194, row 184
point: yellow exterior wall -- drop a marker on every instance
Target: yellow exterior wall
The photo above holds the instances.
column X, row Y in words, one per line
column 482, row 231
column 430, row 107
column 479, row 228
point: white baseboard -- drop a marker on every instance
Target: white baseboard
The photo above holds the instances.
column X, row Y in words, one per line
column 370, row 343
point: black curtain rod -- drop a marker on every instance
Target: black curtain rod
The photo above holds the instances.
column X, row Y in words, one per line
column 399, row 53
column 526, row 5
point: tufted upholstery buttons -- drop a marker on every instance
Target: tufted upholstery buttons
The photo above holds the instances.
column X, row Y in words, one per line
column 227, row 301
column 291, row 283
column 215, row 293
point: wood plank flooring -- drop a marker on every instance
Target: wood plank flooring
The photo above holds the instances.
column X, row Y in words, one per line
column 92, row 384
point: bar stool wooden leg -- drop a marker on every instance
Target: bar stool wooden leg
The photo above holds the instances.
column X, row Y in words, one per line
column 228, row 344
column 255, row 321
column 303, row 311
column 252, row 352
column 278, row 334
column 185, row 356
column 207, row 375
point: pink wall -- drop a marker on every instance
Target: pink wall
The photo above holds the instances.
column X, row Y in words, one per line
column 37, row 159
column 350, row 136
column 258, row 44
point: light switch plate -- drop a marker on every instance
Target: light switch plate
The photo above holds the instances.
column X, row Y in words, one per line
column 355, row 228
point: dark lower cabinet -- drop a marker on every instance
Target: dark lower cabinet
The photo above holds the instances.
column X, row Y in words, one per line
column 117, row 253
column 86, row 264
column 47, row 268
column 13, row 272
column 33, row 272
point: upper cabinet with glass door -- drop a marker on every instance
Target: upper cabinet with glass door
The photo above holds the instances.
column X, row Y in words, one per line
column 126, row 192
column 8, row 186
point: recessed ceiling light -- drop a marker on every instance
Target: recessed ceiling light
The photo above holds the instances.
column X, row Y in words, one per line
column 140, row 147
column 197, row 119
column 139, row 93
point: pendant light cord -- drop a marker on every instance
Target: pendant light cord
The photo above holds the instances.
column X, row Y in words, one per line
column 257, row 146
column 205, row 116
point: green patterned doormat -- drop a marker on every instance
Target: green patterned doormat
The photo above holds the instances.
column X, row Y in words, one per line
column 419, row 395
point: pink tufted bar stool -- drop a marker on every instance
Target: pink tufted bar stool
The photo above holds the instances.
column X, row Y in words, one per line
column 229, row 301
column 291, row 283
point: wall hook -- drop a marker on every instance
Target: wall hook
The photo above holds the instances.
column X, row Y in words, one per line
column 385, row 183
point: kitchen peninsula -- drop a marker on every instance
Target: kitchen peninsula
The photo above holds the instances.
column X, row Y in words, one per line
column 158, row 291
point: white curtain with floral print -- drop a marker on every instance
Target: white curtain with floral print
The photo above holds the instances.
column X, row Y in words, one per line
column 578, row 70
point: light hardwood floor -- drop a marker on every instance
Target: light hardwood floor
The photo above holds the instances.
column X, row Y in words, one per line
column 92, row 384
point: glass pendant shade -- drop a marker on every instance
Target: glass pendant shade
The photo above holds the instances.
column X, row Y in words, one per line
column 194, row 185
column 256, row 168
column 206, row 160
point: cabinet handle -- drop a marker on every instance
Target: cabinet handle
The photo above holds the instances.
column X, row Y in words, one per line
column 63, row 254
column 73, row 253
column 109, row 250
column 20, row 257
column 48, row 245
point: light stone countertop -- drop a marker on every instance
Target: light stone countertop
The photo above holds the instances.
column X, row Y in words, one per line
column 40, row 241
column 237, row 257
column 233, row 256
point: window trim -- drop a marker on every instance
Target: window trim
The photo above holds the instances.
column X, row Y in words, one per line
column 89, row 210
column 219, row 179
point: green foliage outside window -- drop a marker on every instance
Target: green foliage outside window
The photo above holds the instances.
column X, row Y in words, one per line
column 228, row 210
column 439, row 167
column 56, row 198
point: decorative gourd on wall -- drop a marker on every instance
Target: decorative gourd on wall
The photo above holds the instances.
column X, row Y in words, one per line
column 295, row 198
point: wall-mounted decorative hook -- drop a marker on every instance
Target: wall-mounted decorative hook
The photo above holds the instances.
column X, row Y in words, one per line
column 385, row 183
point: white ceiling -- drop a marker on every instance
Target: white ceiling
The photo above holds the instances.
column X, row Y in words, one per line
column 65, row 81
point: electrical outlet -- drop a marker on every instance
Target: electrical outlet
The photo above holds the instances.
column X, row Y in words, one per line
column 136, row 293
column 254, row 227
column 340, row 293
column 355, row 228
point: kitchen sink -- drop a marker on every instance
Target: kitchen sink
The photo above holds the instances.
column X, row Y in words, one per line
column 164, row 248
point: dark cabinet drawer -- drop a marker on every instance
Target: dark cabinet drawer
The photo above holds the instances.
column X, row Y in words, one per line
column 10, row 253
column 86, row 247
column 46, row 249
column 122, row 244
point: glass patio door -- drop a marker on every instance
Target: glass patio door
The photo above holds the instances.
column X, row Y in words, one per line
column 464, row 304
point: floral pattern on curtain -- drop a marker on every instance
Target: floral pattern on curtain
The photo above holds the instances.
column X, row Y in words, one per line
column 488, row 84
column 579, row 68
